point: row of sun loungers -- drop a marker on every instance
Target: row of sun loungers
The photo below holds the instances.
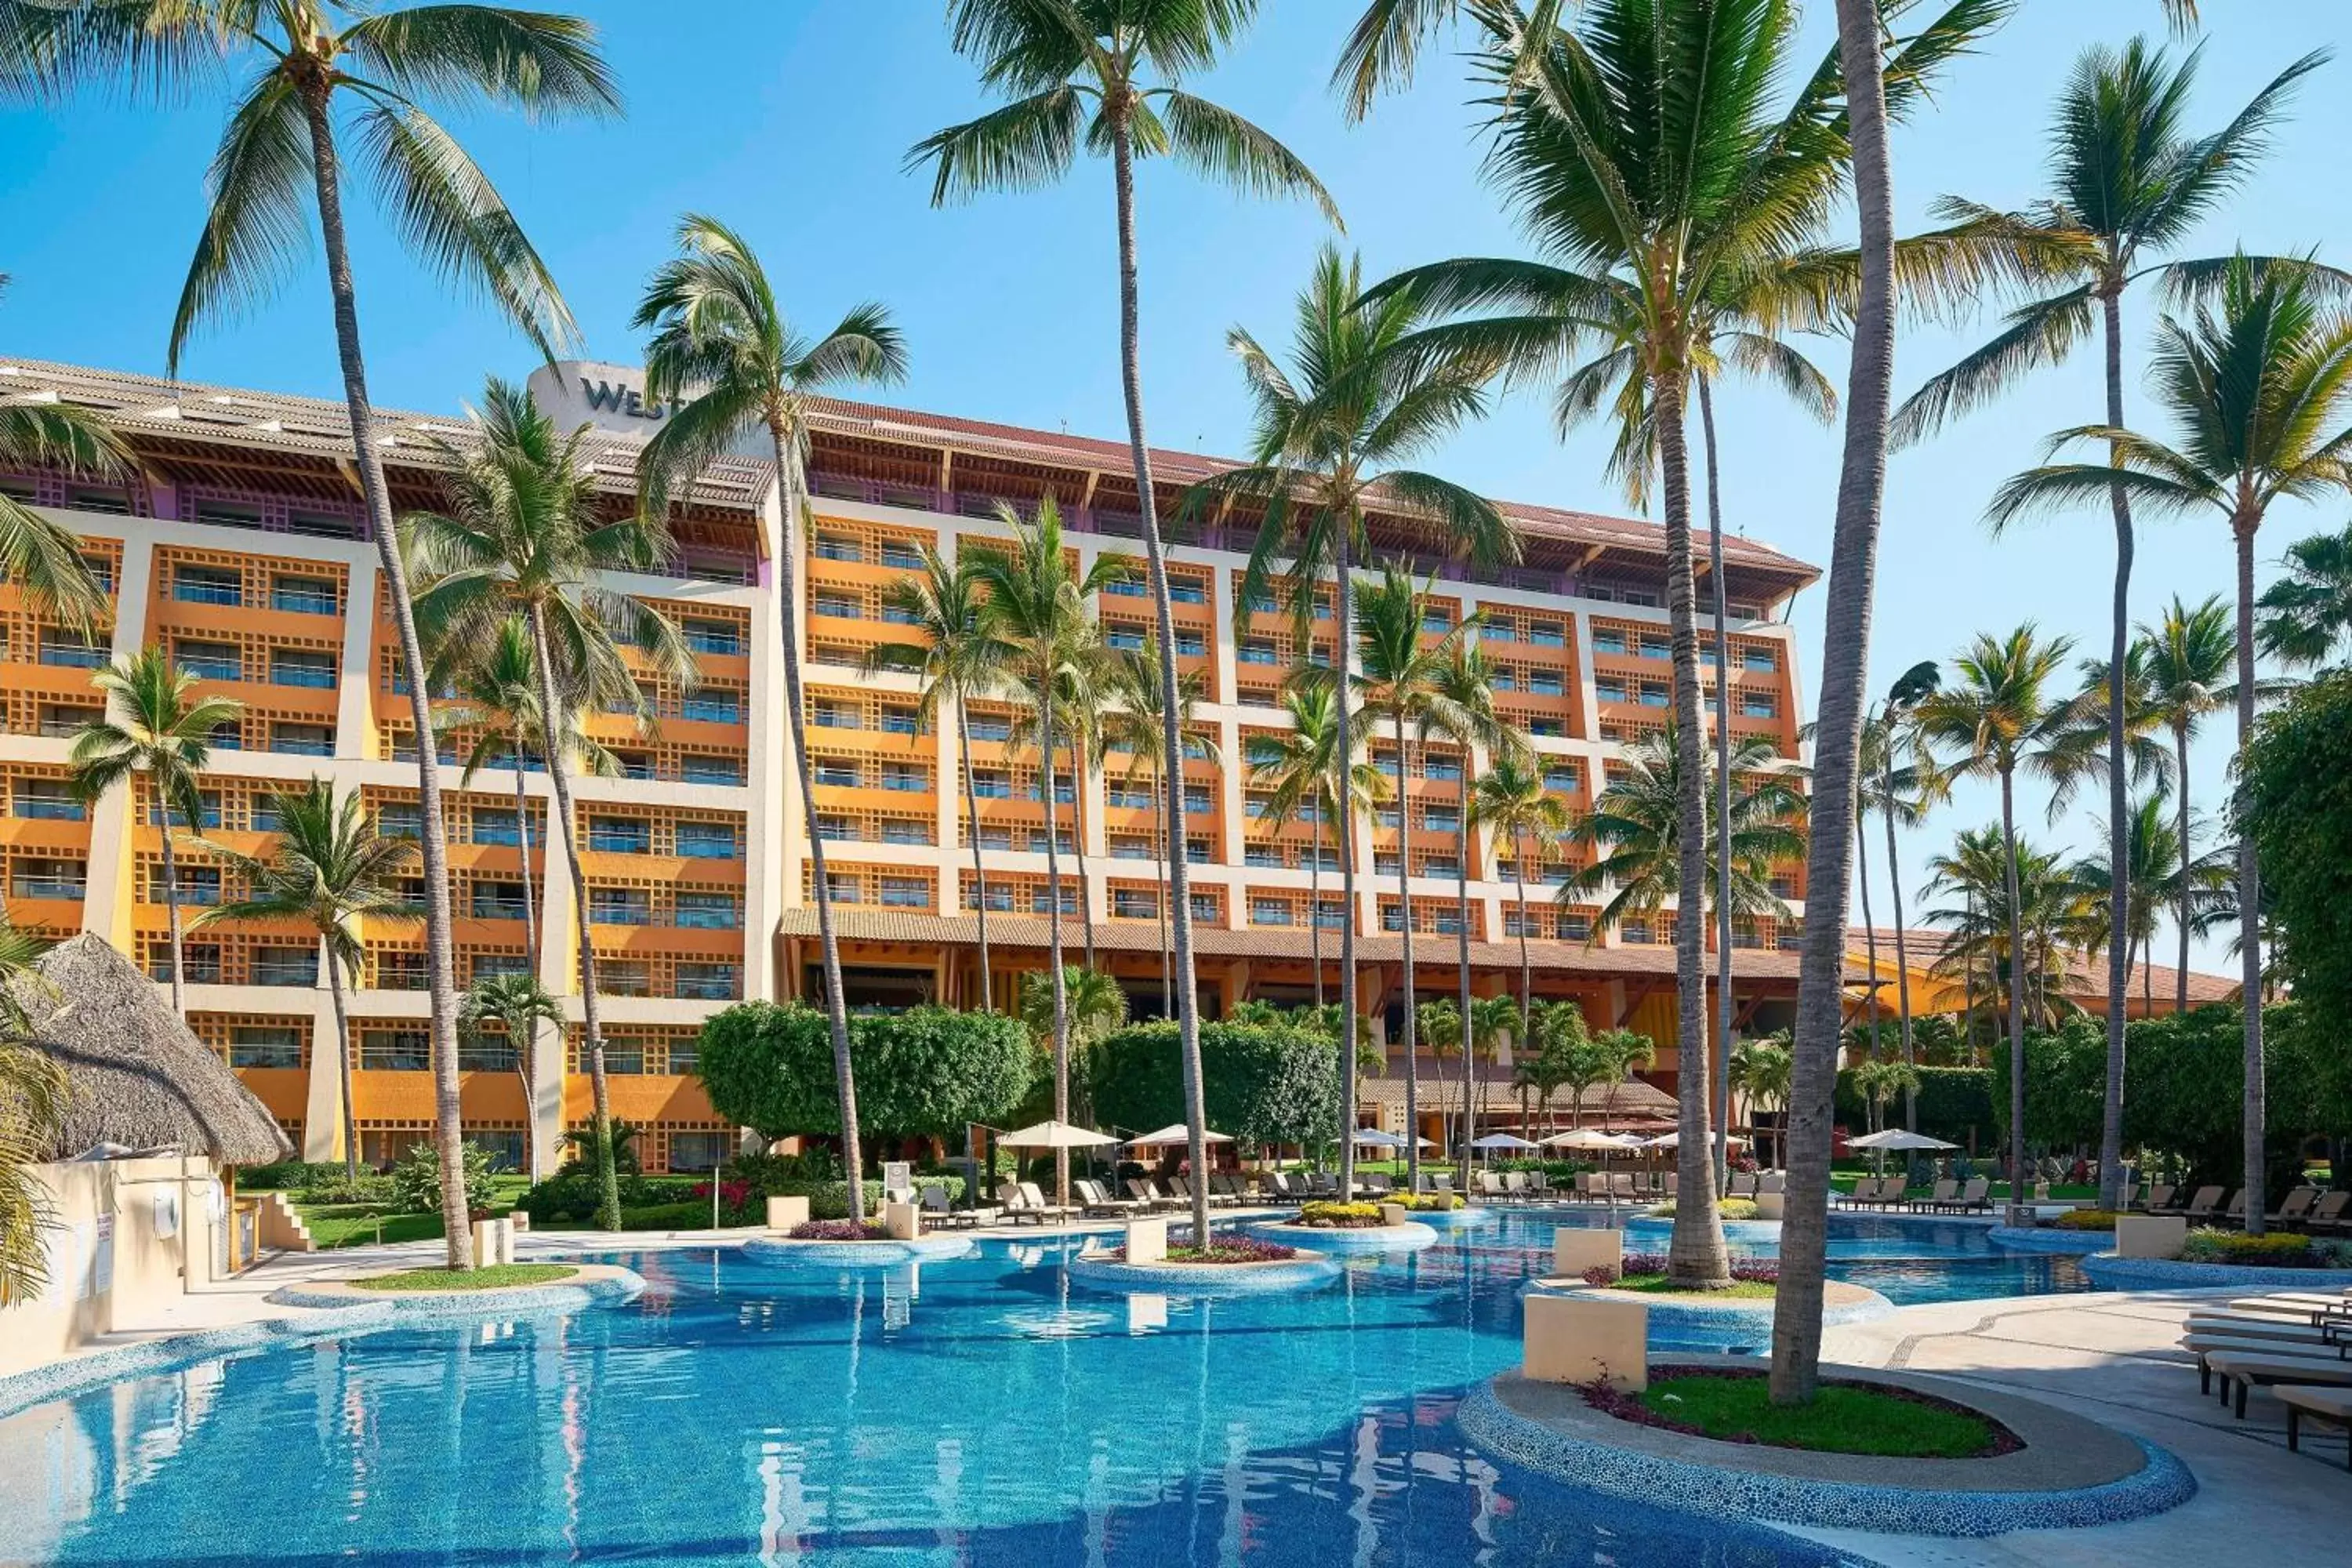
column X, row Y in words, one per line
column 2297, row 1345
column 2305, row 1209
column 1949, row 1196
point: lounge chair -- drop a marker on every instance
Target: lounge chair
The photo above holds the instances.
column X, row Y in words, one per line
column 2330, row 1406
column 1671, row 1181
column 1621, row 1187
column 2235, row 1214
column 1441, row 1183
column 1515, row 1187
column 2208, row 1337
column 1771, row 1181
column 2314, row 1307
column 1866, row 1188
column 1379, row 1181
column 2202, row 1203
column 1279, row 1183
column 1015, row 1209
column 1742, row 1185
column 2327, row 1214
column 2240, row 1370
column 1148, row 1194
column 1976, row 1196
column 937, row 1211
column 1940, row 1198
column 2159, row 1199
column 2296, row 1205
column 1489, row 1185
column 1036, row 1204
column 1098, row 1204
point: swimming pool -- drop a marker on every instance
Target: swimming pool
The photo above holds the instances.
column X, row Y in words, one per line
column 985, row 1412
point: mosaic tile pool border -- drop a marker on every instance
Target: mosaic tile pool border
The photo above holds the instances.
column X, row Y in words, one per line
column 599, row 1285
column 2081, row 1243
column 789, row 1254
column 2169, row 1274
column 1205, row 1279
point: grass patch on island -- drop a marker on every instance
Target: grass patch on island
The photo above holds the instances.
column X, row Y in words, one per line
column 1659, row 1285
column 1844, row 1418
column 492, row 1277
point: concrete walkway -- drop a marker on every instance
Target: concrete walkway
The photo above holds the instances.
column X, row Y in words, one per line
column 2112, row 1357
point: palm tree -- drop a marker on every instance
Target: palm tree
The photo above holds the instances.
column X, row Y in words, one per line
column 2128, row 185
column 34, row 1092
column 2307, row 612
column 521, row 1007
column 331, row 869
column 2258, row 381
column 495, row 685
column 527, row 536
column 43, row 560
column 2001, row 715
column 1084, row 683
column 1324, row 437
column 727, row 359
column 956, row 660
column 1104, row 74
column 2159, row 873
column 1462, row 710
column 1299, row 769
column 1880, row 1081
column 1760, row 1069
column 282, row 135
column 1986, row 947
column 1132, row 727
column 1034, row 608
column 152, row 728
column 2188, row 657
column 1903, row 787
column 1510, row 802
column 1399, row 682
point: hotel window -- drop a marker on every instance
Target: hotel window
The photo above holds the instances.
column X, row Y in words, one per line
column 712, row 637
column 707, row 981
column 227, row 514
column 1646, row 597
column 1440, row 818
column 906, row 557
column 1449, row 922
column 1607, row 639
column 614, row 835
column 994, row 838
column 1197, row 803
column 1638, row 932
column 1198, row 853
column 199, row 885
column 1386, row 817
column 1269, row 913
column 690, row 1152
column 1134, row 903
column 634, row 765
column 1391, row 918
column 1436, row 621
column 1546, row 729
column 833, row 547
column 706, row 770
column 1506, row 678
column 396, row 1050
column 992, row 729
column 1545, row 682
column 998, row 898
column 1499, row 630
column 990, row 785
column 1191, row 645
column 1204, row 907
column 1123, row 639
column 1384, row 865
column 839, row 716
column 1441, row 770
column 1574, row 927
column 1187, row 591
column 1254, row 652
column 624, row 977
column 896, row 614
column 497, row 901
column 203, row 968
column 1560, row 777
column 898, row 830
column 1547, row 633
column 321, row 524
column 1758, row 705
column 205, row 660
column 1260, row 604
column 207, row 585
column 45, row 800
column 836, row 829
column 1656, row 647
column 1784, row 886
column 1125, row 588
column 906, row 893
column 399, row 819
column 304, row 595
column 1758, row 660
column 1654, row 695
column 65, row 650
column 708, row 841
column 1127, row 849
column 710, row 911
column 620, row 906
column 485, row 1053
column 1529, row 924
column 1320, row 860
column 490, row 966
column 49, row 879
column 1264, row 857
column 845, row 887
column 1609, row 690
column 1441, row 866
column 265, row 1045
column 900, row 721
column 302, row 739
column 905, row 778
column 840, row 606
column 106, row 502
column 833, row 774
column 712, row 708
column 1331, row 914
column 285, row 966
column 491, row 824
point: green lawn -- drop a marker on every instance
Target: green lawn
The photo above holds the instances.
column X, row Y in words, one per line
column 1659, row 1285
column 1841, row 1419
column 334, row 1225
column 493, row 1276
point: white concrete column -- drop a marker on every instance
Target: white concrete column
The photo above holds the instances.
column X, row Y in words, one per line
column 355, row 735
column 772, row 855
column 111, row 871
column 323, row 1100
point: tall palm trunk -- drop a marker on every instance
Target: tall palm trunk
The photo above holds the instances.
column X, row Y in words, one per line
column 1054, row 935
column 1160, row 905
column 1404, row 927
column 1901, row 953
column 1722, row 1080
column 1463, row 842
column 524, row 1046
column 172, row 914
column 600, row 1083
column 2181, row 762
column 1527, row 963
column 1696, row 1255
column 978, row 869
column 440, row 960
column 2119, row 942
column 2250, row 893
column 787, row 442
column 1315, row 899
column 1172, row 712
column 1869, row 926
column 1344, row 659
column 2016, row 1001
column 343, row 1064
column 1845, row 659
column 1081, row 781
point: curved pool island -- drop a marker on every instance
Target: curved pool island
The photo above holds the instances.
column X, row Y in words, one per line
column 2050, row 1238
column 583, row 1286
column 1409, row 1236
column 1841, row 1304
column 1103, row 1272
column 782, row 1251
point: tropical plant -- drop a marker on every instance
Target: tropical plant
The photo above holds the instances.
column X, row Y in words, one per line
column 1132, row 728
column 1035, row 607
column 2161, row 875
column 43, row 560
column 1299, row 769
column 2052, row 919
column 33, row 1091
column 1880, row 1081
column 332, row 870
column 521, row 1007
column 373, row 70
column 526, row 535
column 1999, row 716
column 729, row 360
column 155, row 728
column 955, row 659
column 1106, row 74
column 2258, row 381
column 2306, row 613
column 1899, row 778
column 1511, row 803
column 2188, row 656
column 1093, row 1005
column 2128, row 185
column 1398, row 682
column 1083, row 682
column 1607, row 1057
column 1760, row 1069
column 1324, row 435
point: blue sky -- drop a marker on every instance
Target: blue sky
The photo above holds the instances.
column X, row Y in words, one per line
column 790, row 122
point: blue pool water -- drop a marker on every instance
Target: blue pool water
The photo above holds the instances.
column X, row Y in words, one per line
column 981, row 1413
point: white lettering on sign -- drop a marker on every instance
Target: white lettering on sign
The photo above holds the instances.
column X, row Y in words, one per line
column 620, row 397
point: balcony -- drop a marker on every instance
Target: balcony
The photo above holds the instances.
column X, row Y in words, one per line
column 279, row 966
column 63, row 655
column 310, row 674
column 49, row 888
column 711, row 709
column 620, row 841
column 303, row 601
column 49, row 808
column 208, row 666
column 708, row 846
column 224, row 591
column 496, row 908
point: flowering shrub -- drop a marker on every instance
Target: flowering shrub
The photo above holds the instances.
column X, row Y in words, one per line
column 1340, row 1216
column 1744, row 1271
column 1725, row 1208
column 836, row 1230
column 2275, row 1251
column 2084, row 1220
column 1224, row 1249
column 1431, row 1203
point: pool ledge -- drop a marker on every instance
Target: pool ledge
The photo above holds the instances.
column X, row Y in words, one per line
column 1409, row 1236
column 2077, row 1243
column 1841, row 1304
column 591, row 1285
column 791, row 1254
column 2072, row 1472
column 170, row 1352
column 2169, row 1274
column 1303, row 1273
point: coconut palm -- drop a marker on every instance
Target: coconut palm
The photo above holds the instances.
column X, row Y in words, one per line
column 2258, row 381
column 1299, row 769
column 956, row 661
column 520, row 1007
column 1878, row 1082
column 526, row 535
column 1095, row 1006
column 2159, row 875
column 157, row 729
column 1398, row 682
column 1329, row 439
column 1510, row 803
column 1986, row 947
column 45, row 561
column 34, row 1092
column 2189, row 653
column 1904, row 785
column 2307, row 612
column 331, row 869
column 730, row 364
column 1132, row 728
column 1760, row 1069
column 365, row 71
column 2003, row 714
column 1035, row 605
column 1084, row 685
column 1107, row 74
column 2128, row 185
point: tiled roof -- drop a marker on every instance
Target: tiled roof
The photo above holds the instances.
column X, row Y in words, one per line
column 2088, row 974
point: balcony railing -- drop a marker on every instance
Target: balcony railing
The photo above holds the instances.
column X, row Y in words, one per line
column 302, row 602
column 317, row 678
column 189, row 592
column 49, row 888
column 204, row 668
column 35, row 808
column 608, row 843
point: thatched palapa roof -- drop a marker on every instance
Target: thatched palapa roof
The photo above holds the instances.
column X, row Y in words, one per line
column 140, row 1077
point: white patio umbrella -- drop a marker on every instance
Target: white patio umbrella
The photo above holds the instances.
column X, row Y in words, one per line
column 1675, row 1140
column 1504, row 1140
column 1375, row 1138
column 1899, row 1139
column 1054, row 1135
column 1174, row 1133
column 1590, row 1138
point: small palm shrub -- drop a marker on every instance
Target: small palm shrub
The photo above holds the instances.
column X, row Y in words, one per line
column 416, row 1180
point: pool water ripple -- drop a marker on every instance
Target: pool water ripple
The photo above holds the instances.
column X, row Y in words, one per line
column 979, row 1412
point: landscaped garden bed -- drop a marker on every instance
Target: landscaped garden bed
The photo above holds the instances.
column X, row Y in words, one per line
column 1221, row 1251
column 1229, row 1263
column 493, row 1290
column 1726, row 1208
column 1347, row 1228
column 1752, row 1278
column 2074, row 1231
column 2220, row 1258
column 1735, row 1407
column 489, row 1277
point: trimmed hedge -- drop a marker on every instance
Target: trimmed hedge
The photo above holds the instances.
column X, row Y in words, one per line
column 1953, row 1104
column 1263, row 1083
column 928, row 1070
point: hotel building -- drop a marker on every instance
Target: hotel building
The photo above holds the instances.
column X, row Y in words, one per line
column 242, row 548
